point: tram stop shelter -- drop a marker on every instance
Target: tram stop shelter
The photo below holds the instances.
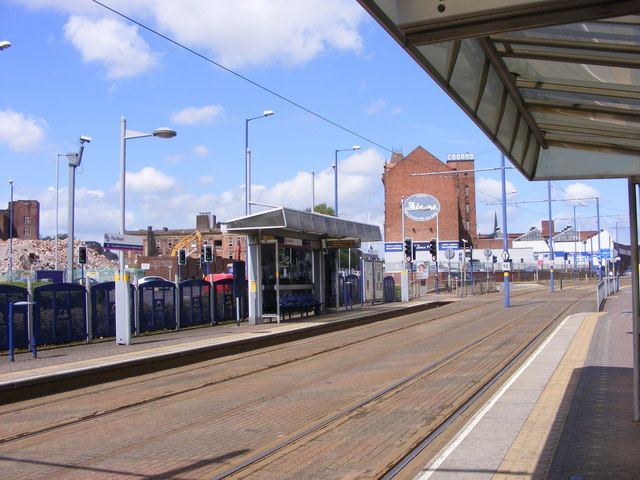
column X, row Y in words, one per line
column 554, row 84
column 293, row 252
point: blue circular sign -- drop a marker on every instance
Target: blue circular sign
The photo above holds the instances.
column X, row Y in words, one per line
column 421, row 207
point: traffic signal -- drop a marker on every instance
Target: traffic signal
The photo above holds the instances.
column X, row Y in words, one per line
column 208, row 253
column 408, row 249
column 433, row 249
column 182, row 257
column 82, row 255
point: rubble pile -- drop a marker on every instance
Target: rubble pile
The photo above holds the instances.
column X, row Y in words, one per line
column 40, row 255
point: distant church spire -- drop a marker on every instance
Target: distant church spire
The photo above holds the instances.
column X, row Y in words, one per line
column 496, row 228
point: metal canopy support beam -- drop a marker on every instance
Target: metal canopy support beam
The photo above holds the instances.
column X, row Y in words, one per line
column 586, row 111
column 627, row 93
column 633, row 222
column 559, row 141
column 599, row 132
column 607, row 61
column 508, row 81
column 509, row 18
column 568, row 44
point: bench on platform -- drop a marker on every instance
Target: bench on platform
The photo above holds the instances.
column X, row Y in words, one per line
column 298, row 303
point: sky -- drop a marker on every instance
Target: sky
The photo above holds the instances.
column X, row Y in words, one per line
column 332, row 76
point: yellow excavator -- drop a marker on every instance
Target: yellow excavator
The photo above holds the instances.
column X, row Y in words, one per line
column 186, row 242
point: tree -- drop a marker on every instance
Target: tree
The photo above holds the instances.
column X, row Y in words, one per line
column 324, row 209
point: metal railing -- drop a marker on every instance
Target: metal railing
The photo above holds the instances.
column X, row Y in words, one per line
column 606, row 287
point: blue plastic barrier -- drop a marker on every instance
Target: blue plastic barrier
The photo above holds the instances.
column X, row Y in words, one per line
column 11, row 294
column 59, row 315
column 157, row 306
column 103, row 309
column 223, row 301
column 194, row 303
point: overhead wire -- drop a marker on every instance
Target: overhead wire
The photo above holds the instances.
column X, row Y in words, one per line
column 239, row 75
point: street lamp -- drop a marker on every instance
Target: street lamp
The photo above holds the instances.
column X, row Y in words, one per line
column 11, row 233
column 4, row 44
column 247, row 161
column 355, row 147
column 74, row 161
column 123, row 331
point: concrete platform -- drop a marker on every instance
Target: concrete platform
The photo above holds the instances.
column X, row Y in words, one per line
column 565, row 414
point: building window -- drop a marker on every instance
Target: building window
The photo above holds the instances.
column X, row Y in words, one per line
column 230, row 256
column 217, row 243
column 25, row 231
column 466, row 208
column 230, row 242
column 466, row 191
column 468, row 226
column 27, row 220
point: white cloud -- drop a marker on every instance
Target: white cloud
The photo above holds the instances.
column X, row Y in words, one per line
column 112, row 43
column 375, row 106
column 21, row 132
column 205, row 180
column 197, row 115
column 178, row 157
column 149, row 181
column 254, row 32
column 201, row 150
column 489, row 190
column 580, row 190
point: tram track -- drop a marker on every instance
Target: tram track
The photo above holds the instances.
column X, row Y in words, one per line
column 194, row 370
column 250, row 466
column 296, row 436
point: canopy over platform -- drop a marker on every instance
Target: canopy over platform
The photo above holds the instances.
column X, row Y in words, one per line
column 555, row 84
column 280, row 220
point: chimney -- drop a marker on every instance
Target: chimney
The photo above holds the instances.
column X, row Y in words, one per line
column 203, row 221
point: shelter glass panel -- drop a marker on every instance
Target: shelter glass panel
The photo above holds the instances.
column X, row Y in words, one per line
column 466, row 78
column 491, row 97
column 508, row 120
column 439, row 55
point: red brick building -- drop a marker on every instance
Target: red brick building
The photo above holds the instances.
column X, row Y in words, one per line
column 26, row 220
column 455, row 192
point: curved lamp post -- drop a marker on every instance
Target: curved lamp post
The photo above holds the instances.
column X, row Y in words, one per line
column 247, row 161
column 123, row 330
column 355, row 147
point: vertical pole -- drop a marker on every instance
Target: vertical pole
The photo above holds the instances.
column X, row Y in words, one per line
column 635, row 296
column 11, row 232
column 70, row 225
column 505, row 235
column 437, row 250
column 246, row 168
column 575, row 241
column 313, row 191
column 599, row 248
column 404, row 276
column 551, row 259
column 57, row 209
column 123, row 304
column 335, row 183
column 10, row 332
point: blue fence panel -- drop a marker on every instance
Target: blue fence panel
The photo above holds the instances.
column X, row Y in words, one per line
column 157, row 306
column 103, row 309
column 59, row 314
column 194, row 303
column 223, row 301
column 10, row 294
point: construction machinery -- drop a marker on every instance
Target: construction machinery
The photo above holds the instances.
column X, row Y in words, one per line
column 191, row 243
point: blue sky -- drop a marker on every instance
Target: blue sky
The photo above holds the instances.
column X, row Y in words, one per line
column 75, row 68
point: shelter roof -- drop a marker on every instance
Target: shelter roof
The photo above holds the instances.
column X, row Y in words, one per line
column 283, row 219
column 555, row 85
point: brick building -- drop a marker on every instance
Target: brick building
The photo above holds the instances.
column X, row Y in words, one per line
column 158, row 244
column 455, row 193
column 26, row 220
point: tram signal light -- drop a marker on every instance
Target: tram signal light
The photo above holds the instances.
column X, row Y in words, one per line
column 408, row 249
column 433, row 249
column 208, row 253
column 82, row 255
column 182, row 257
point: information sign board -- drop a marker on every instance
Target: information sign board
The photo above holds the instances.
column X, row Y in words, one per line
column 115, row 241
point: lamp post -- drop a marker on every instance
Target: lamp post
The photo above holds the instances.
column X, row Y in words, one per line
column 551, row 259
column 313, row 191
column 123, row 330
column 505, row 234
column 11, row 233
column 247, row 161
column 4, row 44
column 56, row 244
column 355, row 147
column 74, row 161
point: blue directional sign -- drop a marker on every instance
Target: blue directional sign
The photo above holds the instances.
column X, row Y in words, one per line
column 393, row 247
column 448, row 244
column 421, row 246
